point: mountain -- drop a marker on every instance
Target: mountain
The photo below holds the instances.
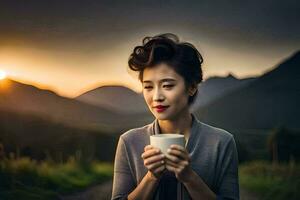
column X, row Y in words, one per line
column 269, row 101
column 117, row 98
column 38, row 138
column 124, row 100
column 215, row 87
column 21, row 97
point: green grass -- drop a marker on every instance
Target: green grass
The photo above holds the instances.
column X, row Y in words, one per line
column 25, row 178
column 274, row 182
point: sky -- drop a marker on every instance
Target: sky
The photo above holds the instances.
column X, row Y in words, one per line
column 74, row 46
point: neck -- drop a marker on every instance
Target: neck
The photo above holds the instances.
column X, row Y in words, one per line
column 181, row 125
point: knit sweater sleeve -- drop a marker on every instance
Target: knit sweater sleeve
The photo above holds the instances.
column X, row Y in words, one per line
column 228, row 183
column 123, row 181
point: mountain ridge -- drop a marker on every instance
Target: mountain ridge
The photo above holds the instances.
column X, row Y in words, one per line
column 269, row 101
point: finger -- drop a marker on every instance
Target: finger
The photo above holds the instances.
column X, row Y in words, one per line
column 180, row 165
column 159, row 169
column 170, row 168
column 182, row 149
column 150, row 152
column 173, row 158
column 170, row 163
column 148, row 147
column 179, row 148
column 178, row 153
column 155, row 165
column 153, row 159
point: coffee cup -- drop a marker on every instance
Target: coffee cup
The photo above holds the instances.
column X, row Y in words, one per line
column 165, row 140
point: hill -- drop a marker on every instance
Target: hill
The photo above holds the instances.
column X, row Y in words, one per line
column 270, row 101
column 117, row 98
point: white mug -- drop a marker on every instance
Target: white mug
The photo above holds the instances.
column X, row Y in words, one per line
column 165, row 140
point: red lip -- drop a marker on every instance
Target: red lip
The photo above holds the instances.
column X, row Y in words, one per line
column 161, row 108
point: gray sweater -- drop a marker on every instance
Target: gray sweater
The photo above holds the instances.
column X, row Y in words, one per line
column 213, row 157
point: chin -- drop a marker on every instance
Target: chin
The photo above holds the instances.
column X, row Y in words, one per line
column 162, row 116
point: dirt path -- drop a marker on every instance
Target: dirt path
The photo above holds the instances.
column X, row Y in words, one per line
column 98, row 192
column 246, row 195
column 103, row 192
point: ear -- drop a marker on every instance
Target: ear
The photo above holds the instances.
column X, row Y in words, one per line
column 193, row 89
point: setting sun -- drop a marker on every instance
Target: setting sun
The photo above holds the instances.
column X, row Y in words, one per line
column 2, row 74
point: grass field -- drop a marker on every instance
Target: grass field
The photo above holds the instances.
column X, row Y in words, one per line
column 24, row 178
column 271, row 181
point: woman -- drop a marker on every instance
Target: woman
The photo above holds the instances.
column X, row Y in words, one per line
column 207, row 168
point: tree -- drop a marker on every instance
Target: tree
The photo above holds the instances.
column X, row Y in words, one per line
column 2, row 153
column 283, row 145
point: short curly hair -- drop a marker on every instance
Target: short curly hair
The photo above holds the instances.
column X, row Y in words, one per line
column 166, row 48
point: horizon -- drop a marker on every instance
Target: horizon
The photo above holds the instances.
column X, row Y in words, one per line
column 137, row 89
column 129, row 80
column 73, row 46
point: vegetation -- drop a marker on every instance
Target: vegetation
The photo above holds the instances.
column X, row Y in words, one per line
column 40, row 139
column 24, row 178
column 271, row 181
column 283, row 145
column 40, row 159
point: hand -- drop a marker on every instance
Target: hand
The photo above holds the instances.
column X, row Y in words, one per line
column 154, row 161
column 178, row 161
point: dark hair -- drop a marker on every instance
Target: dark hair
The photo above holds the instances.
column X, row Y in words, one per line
column 183, row 57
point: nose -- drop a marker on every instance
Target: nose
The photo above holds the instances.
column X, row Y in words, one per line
column 158, row 96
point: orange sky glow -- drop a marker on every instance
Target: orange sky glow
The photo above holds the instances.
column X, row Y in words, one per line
column 72, row 73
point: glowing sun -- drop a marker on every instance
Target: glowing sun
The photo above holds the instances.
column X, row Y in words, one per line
column 2, row 74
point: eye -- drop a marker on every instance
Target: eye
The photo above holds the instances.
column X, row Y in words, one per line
column 168, row 86
column 147, row 87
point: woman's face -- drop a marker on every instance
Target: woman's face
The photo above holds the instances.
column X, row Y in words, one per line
column 163, row 86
